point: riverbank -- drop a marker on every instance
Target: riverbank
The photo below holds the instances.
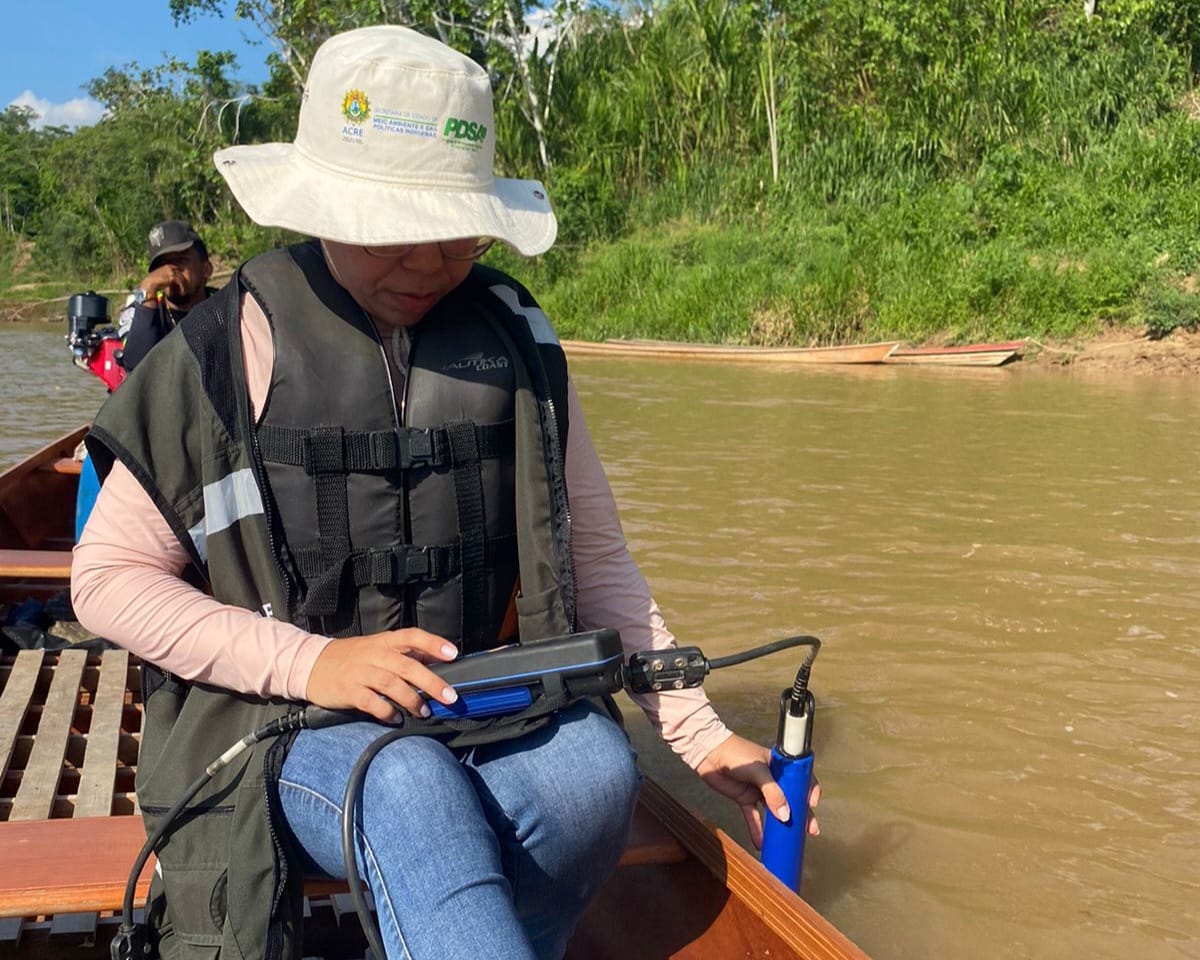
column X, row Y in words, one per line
column 1119, row 350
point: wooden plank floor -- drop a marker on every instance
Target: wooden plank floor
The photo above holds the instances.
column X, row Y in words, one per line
column 63, row 720
column 70, row 727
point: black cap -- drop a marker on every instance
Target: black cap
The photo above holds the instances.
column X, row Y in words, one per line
column 170, row 236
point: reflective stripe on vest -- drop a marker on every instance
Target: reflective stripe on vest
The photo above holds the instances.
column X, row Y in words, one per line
column 226, row 501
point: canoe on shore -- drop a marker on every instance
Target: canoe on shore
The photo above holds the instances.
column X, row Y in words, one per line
column 969, row 355
column 675, row 350
column 685, row 889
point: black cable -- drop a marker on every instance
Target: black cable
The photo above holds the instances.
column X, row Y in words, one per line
column 148, row 848
column 279, row 725
column 786, row 644
column 800, row 687
column 349, row 802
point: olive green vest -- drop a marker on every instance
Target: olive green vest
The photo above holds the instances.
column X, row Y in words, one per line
column 181, row 424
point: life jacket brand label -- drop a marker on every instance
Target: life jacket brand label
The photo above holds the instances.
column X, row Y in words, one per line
column 478, row 363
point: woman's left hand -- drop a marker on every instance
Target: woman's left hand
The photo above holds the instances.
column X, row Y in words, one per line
column 738, row 769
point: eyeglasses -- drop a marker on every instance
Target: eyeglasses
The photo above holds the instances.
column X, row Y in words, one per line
column 464, row 248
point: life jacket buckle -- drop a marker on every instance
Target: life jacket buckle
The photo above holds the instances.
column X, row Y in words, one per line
column 417, row 448
column 418, row 563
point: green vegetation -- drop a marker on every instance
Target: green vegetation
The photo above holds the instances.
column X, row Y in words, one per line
column 764, row 171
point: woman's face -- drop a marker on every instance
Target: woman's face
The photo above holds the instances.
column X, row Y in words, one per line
column 395, row 291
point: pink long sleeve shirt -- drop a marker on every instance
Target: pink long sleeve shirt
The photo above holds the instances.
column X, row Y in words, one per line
column 125, row 585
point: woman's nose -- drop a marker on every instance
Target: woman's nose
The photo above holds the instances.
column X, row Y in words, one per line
column 423, row 257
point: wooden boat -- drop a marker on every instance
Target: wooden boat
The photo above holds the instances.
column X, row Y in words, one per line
column 37, row 520
column 69, row 729
column 730, row 353
column 969, row 355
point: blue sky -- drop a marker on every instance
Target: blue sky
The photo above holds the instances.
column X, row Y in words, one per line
column 49, row 50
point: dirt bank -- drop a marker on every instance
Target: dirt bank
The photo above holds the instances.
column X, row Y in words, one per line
column 1121, row 351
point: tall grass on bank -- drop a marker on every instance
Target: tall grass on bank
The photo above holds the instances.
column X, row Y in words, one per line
column 1024, row 246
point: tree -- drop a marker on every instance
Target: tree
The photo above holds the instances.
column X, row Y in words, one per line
column 497, row 34
column 21, row 149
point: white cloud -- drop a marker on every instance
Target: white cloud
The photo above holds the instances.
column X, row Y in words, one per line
column 540, row 28
column 79, row 112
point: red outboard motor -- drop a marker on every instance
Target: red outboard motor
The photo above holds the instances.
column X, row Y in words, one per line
column 95, row 345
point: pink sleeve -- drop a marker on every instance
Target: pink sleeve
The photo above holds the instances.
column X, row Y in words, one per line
column 125, row 586
column 613, row 593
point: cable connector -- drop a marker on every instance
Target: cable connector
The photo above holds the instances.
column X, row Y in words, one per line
column 132, row 942
column 657, row 670
column 794, row 736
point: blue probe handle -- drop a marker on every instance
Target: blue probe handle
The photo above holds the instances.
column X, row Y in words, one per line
column 783, row 843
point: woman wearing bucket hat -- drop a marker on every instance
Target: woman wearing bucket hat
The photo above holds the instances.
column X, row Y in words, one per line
column 368, row 454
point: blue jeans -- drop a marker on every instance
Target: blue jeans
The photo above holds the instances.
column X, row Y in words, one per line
column 491, row 852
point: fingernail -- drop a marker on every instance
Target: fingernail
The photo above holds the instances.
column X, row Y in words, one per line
column 449, row 650
column 449, row 695
column 425, row 710
column 783, row 814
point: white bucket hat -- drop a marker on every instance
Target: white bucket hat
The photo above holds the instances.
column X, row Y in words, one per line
column 395, row 144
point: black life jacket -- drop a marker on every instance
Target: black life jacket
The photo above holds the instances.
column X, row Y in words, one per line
column 402, row 510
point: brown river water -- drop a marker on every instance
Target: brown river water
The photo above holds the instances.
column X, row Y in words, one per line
column 1004, row 567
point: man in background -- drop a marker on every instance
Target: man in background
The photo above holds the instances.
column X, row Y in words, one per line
column 177, row 281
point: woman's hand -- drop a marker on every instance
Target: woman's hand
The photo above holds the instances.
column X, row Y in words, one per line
column 739, row 769
column 378, row 673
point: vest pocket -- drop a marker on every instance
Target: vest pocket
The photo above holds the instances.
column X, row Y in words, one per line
column 196, row 904
column 541, row 615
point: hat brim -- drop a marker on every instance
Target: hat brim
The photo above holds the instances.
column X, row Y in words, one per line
column 278, row 186
column 173, row 248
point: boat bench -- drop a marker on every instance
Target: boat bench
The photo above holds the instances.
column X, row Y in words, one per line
column 70, row 728
column 35, row 565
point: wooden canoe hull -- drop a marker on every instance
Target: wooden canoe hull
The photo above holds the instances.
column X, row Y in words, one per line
column 37, row 498
column 719, row 903
column 37, row 520
column 969, row 355
column 672, row 350
column 698, row 896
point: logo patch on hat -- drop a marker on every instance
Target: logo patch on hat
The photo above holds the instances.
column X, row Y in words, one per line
column 464, row 134
column 356, row 107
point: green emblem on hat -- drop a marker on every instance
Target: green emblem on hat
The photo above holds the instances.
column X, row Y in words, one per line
column 355, row 106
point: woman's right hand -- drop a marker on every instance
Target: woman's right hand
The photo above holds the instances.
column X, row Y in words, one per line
column 377, row 673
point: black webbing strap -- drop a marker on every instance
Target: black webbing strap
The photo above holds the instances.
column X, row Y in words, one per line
column 328, row 466
column 377, row 450
column 379, row 567
column 468, row 496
